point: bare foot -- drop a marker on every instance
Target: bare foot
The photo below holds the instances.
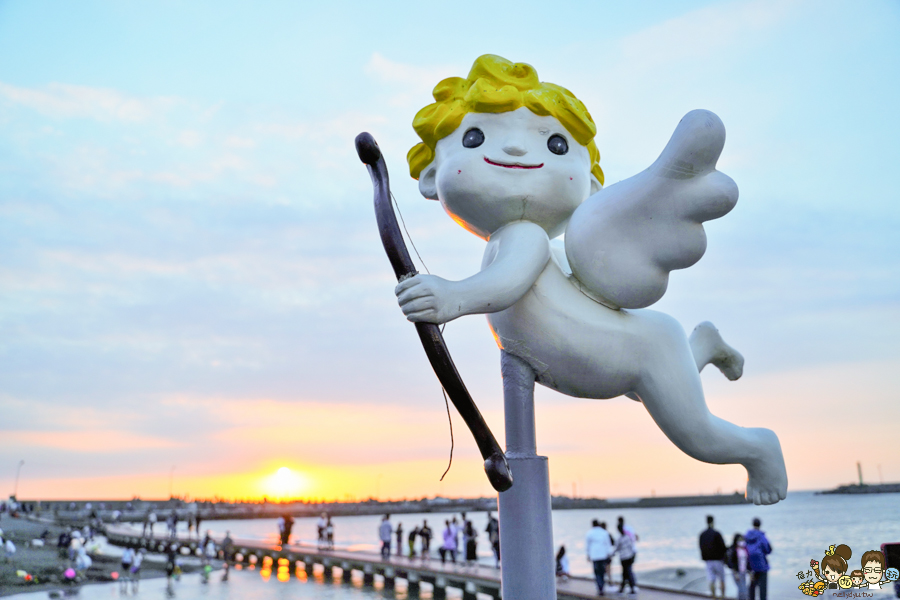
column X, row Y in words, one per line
column 708, row 347
column 767, row 476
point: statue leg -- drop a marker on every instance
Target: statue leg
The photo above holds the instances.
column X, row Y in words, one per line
column 671, row 390
column 708, row 347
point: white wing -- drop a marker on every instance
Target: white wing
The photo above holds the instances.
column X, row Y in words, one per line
column 623, row 241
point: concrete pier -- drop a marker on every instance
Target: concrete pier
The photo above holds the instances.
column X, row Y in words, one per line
column 442, row 580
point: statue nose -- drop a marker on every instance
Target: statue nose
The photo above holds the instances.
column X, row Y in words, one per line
column 515, row 148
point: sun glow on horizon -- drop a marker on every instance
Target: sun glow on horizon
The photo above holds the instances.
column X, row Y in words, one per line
column 285, row 484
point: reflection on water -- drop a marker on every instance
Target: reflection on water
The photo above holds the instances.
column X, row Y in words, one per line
column 283, row 584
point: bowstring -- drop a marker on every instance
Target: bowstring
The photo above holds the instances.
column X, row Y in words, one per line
column 409, row 237
column 443, row 391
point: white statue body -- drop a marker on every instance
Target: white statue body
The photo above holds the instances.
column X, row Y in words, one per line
column 584, row 333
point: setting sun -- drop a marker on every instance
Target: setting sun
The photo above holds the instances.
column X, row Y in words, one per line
column 284, row 484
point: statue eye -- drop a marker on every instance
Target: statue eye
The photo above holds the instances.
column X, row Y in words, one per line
column 557, row 144
column 473, row 138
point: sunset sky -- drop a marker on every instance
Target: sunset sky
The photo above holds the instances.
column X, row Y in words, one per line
column 193, row 294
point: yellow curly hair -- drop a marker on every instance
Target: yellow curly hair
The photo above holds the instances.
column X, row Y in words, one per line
column 496, row 85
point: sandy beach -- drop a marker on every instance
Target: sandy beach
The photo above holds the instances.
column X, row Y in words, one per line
column 46, row 566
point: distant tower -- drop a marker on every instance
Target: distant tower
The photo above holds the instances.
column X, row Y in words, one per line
column 859, row 471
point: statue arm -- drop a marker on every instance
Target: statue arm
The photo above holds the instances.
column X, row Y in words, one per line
column 515, row 257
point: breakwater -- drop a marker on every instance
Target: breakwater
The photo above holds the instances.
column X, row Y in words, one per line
column 865, row 488
column 131, row 511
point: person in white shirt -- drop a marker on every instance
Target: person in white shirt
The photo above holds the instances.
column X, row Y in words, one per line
column 280, row 523
column 599, row 546
column 151, row 521
column 127, row 561
column 455, row 528
column 136, row 570
column 627, row 551
column 384, row 534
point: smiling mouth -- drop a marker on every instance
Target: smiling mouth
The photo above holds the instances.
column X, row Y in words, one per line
column 513, row 165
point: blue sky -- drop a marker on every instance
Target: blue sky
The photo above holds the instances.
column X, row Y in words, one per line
column 188, row 255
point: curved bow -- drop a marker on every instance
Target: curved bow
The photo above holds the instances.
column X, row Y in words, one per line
column 495, row 464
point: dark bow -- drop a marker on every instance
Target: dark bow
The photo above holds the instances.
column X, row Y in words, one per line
column 495, row 464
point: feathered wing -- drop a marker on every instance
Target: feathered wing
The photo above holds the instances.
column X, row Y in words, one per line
column 623, row 241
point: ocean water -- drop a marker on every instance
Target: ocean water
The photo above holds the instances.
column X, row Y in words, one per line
column 242, row 585
column 800, row 528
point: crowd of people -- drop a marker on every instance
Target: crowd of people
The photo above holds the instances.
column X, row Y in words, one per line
column 745, row 558
column 192, row 521
column 459, row 540
column 601, row 547
column 324, row 531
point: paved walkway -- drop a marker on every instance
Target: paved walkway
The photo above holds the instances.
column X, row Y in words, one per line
column 483, row 578
column 575, row 587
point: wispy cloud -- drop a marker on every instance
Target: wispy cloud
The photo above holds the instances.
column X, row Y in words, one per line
column 409, row 83
column 62, row 101
column 89, row 440
column 703, row 34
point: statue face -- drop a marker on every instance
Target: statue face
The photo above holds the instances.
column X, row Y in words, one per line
column 499, row 168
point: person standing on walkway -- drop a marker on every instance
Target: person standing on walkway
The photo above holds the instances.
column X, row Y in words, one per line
column 449, row 544
column 599, row 546
column 758, row 547
column 329, row 534
column 425, row 534
column 127, row 561
column 627, row 551
column 493, row 531
column 151, row 521
column 736, row 559
column 399, row 534
column 412, row 541
column 471, row 544
column 228, row 547
column 210, row 552
column 320, row 531
column 384, row 534
column 171, row 569
column 136, row 570
column 288, row 526
column 172, row 522
column 562, row 564
column 455, row 528
column 712, row 551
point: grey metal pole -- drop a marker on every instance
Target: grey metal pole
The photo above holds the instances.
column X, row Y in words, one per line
column 16, row 488
column 526, row 528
